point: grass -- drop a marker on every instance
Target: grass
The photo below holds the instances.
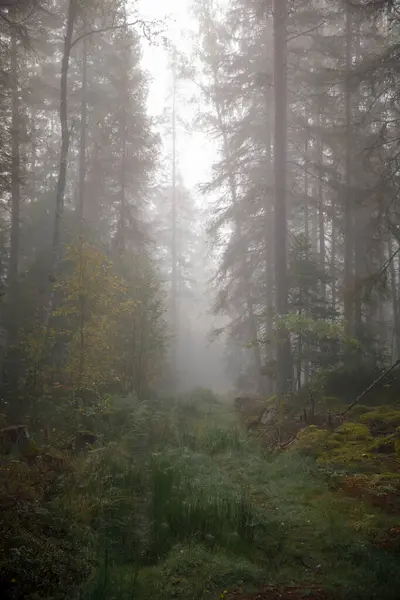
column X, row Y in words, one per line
column 195, row 507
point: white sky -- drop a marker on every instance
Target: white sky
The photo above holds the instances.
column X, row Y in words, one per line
column 194, row 151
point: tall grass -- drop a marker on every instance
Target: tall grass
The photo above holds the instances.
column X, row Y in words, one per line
column 196, row 506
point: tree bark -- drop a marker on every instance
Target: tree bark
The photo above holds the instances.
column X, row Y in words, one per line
column 82, row 141
column 62, row 175
column 81, row 206
column 395, row 299
column 280, row 158
column 321, row 206
column 348, row 208
column 15, row 196
column 306, row 185
column 12, row 326
column 174, row 253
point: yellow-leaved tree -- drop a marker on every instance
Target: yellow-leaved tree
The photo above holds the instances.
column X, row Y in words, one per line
column 94, row 298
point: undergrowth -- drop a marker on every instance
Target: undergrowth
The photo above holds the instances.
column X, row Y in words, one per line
column 177, row 501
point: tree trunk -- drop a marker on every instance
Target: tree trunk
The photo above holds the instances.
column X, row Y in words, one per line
column 280, row 157
column 333, row 257
column 307, row 239
column 395, row 299
column 306, row 186
column 270, row 352
column 82, row 142
column 174, row 253
column 269, row 263
column 81, row 206
column 12, row 280
column 320, row 204
column 15, row 195
column 358, row 223
column 348, row 208
column 33, row 156
column 62, row 175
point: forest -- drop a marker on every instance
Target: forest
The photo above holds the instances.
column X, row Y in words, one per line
column 199, row 382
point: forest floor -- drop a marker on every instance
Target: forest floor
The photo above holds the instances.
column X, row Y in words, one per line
column 279, row 526
column 184, row 504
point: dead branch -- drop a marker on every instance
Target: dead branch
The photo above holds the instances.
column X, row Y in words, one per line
column 369, row 388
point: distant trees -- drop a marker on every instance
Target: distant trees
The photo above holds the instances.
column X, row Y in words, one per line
column 337, row 180
column 78, row 155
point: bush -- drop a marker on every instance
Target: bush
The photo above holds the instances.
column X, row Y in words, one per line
column 39, row 560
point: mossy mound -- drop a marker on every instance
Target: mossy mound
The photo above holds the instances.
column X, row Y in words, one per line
column 381, row 420
column 365, row 452
column 349, row 443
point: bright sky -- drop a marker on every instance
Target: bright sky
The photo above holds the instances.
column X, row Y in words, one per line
column 194, row 151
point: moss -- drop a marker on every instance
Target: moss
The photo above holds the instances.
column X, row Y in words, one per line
column 381, row 419
column 313, row 439
column 352, row 432
column 385, row 445
column 358, row 410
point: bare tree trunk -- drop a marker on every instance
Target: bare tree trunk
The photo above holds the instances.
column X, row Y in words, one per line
column 121, row 233
column 174, row 254
column 271, row 349
column 62, row 175
column 307, row 236
column 348, row 209
column 269, row 266
column 82, row 142
column 12, row 279
column 15, row 195
column 321, row 206
column 60, row 191
column 81, row 205
column 33, row 156
column 395, row 299
column 306, row 185
column 333, row 257
column 359, row 219
column 284, row 374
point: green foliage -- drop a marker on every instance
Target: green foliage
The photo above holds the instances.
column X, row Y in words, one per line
column 192, row 571
column 176, row 502
column 39, row 558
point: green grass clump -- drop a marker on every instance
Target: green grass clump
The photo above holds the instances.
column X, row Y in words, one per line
column 194, row 499
column 193, row 571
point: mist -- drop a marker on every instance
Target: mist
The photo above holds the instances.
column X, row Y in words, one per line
column 199, row 299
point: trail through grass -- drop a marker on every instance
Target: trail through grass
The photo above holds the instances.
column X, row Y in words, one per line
column 205, row 511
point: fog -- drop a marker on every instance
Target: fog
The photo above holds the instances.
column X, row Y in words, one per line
column 199, row 299
column 196, row 194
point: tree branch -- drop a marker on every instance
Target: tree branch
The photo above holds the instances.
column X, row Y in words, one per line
column 370, row 387
column 110, row 28
column 297, row 35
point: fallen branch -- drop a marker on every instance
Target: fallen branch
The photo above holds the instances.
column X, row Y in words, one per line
column 369, row 388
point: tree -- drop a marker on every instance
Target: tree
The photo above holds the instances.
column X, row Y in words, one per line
column 280, row 159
